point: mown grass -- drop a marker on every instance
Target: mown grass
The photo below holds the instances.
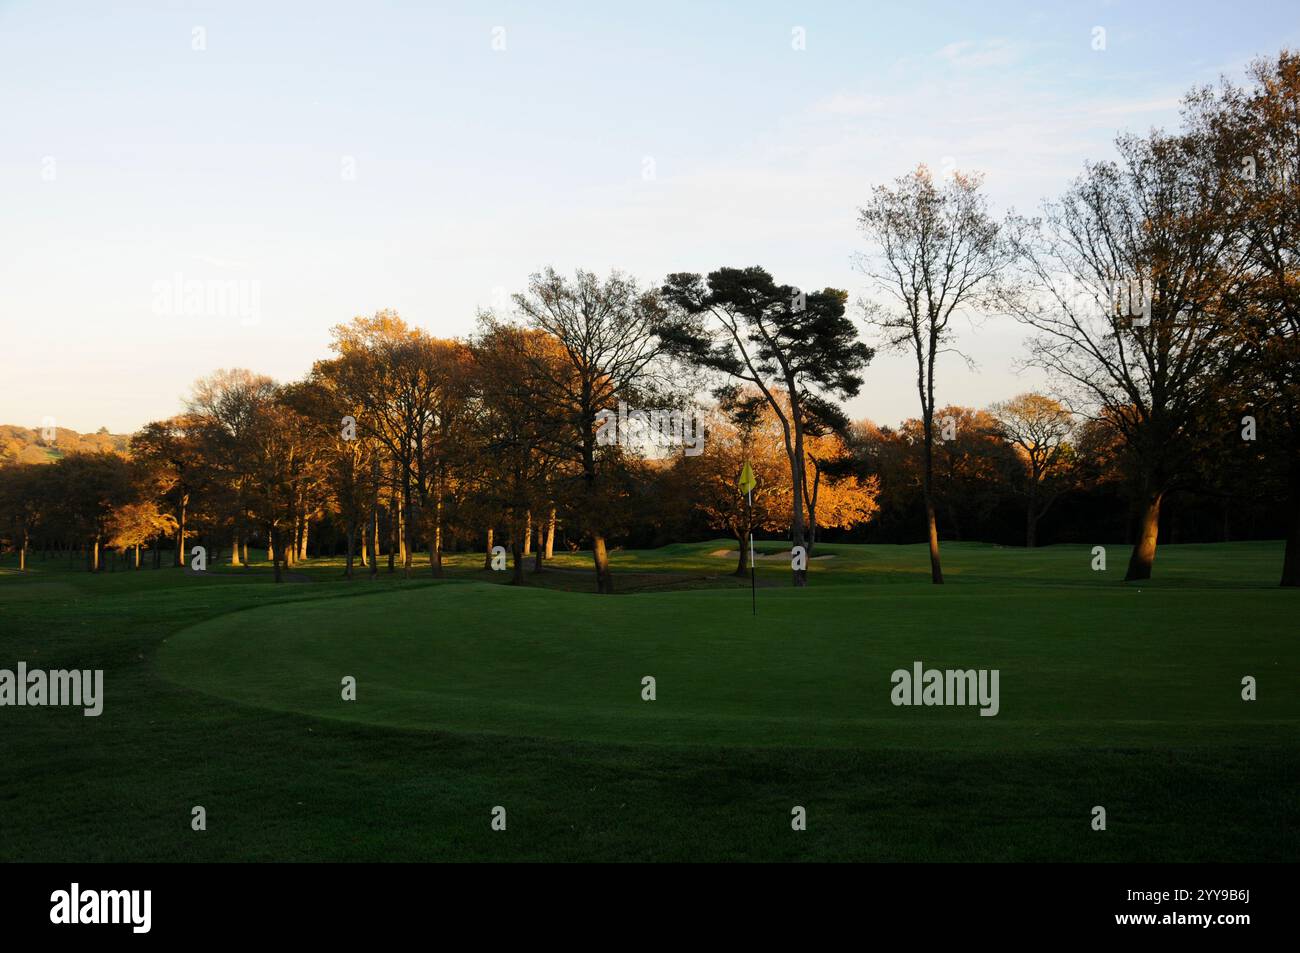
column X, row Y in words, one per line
column 223, row 691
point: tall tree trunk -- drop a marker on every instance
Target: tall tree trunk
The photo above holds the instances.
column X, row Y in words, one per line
column 932, row 529
column 180, row 530
column 137, row 555
column 435, row 540
column 1144, row 551
column 94, row 555
column 797, row 530
column 404, row 539
column 393, row 531
column 541, row 548
column 517, row 552
column 925, row 386
column 487, row 556
column 550, row 535
column 22, row 553
column 528, row 533
column 372, row 542
column 742, row 567
column 302, row 539
column 599, row 555
column 812, row 509
column 932, row 534
column 604, row 579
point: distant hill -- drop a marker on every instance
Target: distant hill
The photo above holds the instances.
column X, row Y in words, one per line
column 26, row 445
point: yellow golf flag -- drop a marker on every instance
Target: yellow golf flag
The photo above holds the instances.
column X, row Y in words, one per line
column 747, row 481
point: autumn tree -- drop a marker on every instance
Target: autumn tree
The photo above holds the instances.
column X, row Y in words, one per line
column 24, row 502
column 349, row 455
column 517, row 435
column 442, row 466
column 286, row 463
column 175, row 453
column 935, row 250
column 1123, row 282
column 839, row 497
column 90, row 488
column 742, row 430
column 793, row 347
column 608, row 331
column 135, row 524
column 1255, row 135
column 973, row 466
column 408, row 391
column 1039, row 427
column 223, row 406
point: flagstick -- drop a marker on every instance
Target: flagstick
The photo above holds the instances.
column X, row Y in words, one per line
column 753, row 585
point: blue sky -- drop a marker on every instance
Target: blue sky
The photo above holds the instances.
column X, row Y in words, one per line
column 341, row 158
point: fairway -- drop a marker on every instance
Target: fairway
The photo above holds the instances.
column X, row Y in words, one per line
column 224, row 691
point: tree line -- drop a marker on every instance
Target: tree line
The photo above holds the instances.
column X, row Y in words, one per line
column 1161, row 293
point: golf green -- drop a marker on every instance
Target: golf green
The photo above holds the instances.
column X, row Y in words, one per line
column 1078, row 665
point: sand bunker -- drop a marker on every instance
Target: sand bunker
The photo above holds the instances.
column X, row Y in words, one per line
column 759, row 557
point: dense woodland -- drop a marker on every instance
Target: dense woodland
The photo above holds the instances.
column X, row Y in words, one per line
column 1160, row 291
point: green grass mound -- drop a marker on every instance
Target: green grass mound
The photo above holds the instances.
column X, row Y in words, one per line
column 1079, row 664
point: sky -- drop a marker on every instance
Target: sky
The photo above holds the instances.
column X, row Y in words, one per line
column 192, row 186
